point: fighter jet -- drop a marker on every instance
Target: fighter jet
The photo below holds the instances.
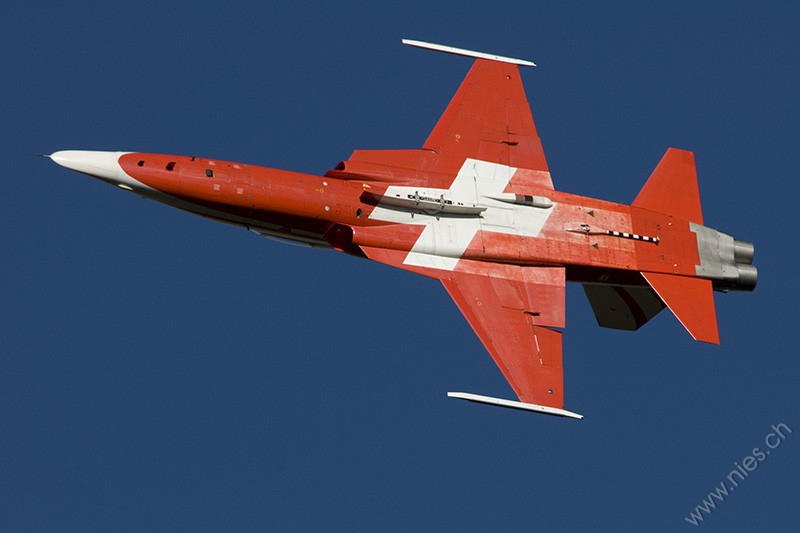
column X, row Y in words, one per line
column 475, row 208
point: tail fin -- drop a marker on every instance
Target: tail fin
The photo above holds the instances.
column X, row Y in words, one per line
column 672, row 187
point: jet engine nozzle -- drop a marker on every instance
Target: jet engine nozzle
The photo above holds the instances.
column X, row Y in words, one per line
column 743, row 252
column 748, row 276
column 724, row 260
column 737, row 277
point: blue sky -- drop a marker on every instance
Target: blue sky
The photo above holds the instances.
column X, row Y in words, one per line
column 161, row 371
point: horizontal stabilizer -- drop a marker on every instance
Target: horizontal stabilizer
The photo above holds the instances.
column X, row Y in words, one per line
column 691, row 300
column 672, row 188
column 513, row 405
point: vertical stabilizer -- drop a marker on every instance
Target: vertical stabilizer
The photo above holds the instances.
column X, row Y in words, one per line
column 691, row 300
column 672, row 187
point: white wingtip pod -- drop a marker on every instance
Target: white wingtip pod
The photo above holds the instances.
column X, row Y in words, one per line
column 468, row 53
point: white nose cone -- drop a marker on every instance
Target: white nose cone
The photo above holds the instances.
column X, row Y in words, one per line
column 103, row 165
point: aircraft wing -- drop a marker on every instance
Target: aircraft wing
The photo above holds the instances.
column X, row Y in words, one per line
column 490, row 119
column 510, row 314
column 512, row 310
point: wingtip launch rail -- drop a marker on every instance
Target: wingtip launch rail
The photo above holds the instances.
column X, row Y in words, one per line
column 522, row 406
column 468, row 53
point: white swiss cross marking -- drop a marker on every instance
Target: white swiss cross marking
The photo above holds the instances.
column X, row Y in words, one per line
column 445, row 238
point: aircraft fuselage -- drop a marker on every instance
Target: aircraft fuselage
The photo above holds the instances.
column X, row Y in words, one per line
column 595, row 239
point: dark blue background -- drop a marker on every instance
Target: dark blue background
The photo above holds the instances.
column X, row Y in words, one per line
column 161, row 371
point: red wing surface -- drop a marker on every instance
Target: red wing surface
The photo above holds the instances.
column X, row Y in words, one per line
column 490, row 119
column 510, row 317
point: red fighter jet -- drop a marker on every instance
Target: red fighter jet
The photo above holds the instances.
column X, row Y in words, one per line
column 475, row 208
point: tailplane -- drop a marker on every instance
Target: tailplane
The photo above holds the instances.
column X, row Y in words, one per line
column 691, row 300
column 672, row 188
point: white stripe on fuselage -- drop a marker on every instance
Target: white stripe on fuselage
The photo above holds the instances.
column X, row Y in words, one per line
column 445, row 238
